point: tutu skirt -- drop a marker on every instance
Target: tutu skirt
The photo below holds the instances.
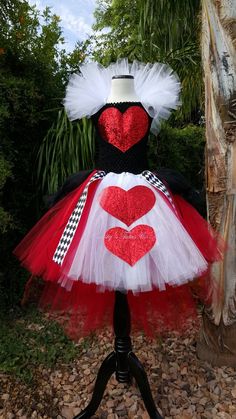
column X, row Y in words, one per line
column 130, row 237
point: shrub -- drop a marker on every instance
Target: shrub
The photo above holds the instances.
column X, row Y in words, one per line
column 181, row 149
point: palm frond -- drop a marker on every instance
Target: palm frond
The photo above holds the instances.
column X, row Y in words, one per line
column 67, row 148
column 169, row 32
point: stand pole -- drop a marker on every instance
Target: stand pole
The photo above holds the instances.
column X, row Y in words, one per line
column 123, row 362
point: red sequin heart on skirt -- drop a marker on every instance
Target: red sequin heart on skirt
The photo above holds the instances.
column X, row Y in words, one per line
column 130, row 245
column 123, row 130
column 127, row 206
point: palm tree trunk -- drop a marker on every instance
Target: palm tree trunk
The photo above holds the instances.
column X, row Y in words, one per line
column 217, row 343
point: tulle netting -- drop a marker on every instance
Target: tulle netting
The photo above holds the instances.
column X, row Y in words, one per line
column 84, row 310
column 86, row 307
column 37, row 248
column 156, row 85
column 174, row 258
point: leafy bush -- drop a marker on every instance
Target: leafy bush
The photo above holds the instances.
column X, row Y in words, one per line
column 6, row 220
column 31, row 340
column 66, row 149
column 33, row 70
column 181, row 149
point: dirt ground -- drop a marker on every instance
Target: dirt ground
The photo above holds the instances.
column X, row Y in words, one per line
column 183, row 387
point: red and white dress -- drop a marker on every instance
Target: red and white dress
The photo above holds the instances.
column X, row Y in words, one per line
column 121, row 229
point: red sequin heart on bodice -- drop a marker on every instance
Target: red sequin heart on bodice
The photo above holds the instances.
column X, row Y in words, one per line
column 130, row 245
column 127, row 206
column 123, row 130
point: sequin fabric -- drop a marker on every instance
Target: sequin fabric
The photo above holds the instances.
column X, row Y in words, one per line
column 132, row 245
column 123, row 130
column 127, row 206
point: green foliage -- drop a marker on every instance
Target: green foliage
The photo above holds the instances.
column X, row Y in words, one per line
column 66, row 149
column 182, row 149
column 116, row 32
column 70, row 62
column 170, row 31
column 33, row 70
column 30, row 48
column 170, row 22
column 30, row 341
column 30, row 82
column 5, row 171
column 32, row 44
column 6, row 220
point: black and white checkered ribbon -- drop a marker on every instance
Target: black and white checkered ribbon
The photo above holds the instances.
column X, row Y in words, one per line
column 155, row 181
column 72, row 224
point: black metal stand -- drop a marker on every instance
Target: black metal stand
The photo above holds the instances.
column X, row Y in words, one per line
column 123, row 362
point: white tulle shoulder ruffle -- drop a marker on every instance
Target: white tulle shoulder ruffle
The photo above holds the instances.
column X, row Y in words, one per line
column 156, row 85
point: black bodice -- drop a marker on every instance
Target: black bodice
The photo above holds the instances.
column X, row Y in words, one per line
column 121, row 137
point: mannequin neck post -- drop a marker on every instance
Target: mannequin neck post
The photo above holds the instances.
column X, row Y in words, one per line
column 122, row 90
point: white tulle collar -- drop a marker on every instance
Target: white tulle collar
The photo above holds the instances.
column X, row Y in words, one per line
column 156, row 85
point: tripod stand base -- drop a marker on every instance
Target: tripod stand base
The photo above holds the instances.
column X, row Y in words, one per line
column 107, row 368
column 123, row 362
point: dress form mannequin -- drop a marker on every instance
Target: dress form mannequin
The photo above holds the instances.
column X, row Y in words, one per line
column 119, row 229
column 122, row 90
column 122, row 361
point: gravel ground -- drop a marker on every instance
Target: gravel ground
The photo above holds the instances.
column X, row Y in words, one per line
column 183, row 387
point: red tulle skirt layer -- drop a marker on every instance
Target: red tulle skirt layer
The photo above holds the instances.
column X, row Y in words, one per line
column 37, row 248
column 84, row 308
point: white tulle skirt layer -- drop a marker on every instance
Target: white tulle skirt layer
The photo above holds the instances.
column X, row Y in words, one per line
column 174, row 258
